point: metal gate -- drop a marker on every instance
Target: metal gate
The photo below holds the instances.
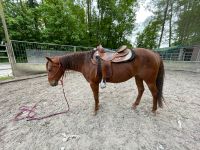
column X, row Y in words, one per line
column 5, row 67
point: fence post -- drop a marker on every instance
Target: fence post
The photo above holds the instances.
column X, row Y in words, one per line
column 198, row 56
column 74, row 48
column 9, row 44
column 180, row 54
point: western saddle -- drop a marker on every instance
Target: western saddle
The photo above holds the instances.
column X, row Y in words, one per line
column 123, row 54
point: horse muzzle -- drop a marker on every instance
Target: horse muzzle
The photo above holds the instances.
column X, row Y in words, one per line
column 53, row 83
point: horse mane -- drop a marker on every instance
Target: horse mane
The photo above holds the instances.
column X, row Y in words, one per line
column 73, row 60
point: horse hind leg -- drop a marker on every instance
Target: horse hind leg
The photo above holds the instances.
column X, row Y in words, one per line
column 154, row 93
column 140, row 86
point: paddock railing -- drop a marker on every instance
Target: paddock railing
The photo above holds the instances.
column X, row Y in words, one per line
column 181, row 54
column 34, row 52
column 29, row 57
column 187, row 56
column 177, row 57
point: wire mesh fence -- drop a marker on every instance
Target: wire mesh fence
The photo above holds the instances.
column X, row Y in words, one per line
column 33, row 52
column 182, row 54
column 176, row 56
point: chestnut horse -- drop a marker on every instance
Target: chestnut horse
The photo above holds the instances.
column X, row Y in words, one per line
column 147, row 66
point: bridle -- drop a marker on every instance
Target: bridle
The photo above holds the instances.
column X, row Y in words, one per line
column 59, row 67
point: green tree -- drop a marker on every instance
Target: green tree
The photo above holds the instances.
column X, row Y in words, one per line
column 149, row 37
column 188, row 30
column 22, row 19
column 64, row 22
column 180, row 21
column 71, row 22
column 116, row 21
column 166, row 11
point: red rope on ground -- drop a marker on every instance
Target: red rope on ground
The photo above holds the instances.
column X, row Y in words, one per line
column 31, row 114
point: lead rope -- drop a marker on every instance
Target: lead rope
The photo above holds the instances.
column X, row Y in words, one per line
column 31, row 114
column 61, row 81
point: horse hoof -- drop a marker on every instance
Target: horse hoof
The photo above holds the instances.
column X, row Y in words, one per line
column 154, row 112
column 95, row 113
column 134, row 107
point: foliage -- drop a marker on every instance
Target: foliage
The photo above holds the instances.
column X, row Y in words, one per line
column 68, row 22
column 180, row 21
column 109, row 22
column 116, row 21
column 188, row 31
column 149, row 37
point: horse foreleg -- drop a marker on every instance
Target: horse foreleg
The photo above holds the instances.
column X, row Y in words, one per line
column 140, row 86
column 95, row 90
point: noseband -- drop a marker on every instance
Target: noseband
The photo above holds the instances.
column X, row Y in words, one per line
column 60, row 67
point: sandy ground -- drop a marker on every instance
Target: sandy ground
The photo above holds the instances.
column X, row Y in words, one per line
column 116, row 126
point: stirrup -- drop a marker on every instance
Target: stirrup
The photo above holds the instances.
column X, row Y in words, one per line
column 103, row 84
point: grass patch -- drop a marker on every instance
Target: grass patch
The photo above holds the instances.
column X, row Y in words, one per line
column 6, row 78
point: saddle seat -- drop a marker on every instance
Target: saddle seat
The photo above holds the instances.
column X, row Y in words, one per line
column 121, row 55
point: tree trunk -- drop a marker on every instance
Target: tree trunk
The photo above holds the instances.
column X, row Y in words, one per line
column 163, row 23
column 170, row 23
column 89, row 3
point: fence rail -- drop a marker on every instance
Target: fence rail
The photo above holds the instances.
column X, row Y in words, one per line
column 34, row 52
column 176, row 56
column 181, row 55
column 187, row 56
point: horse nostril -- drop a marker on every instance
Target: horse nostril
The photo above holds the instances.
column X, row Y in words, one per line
column 53, row 83
column 56, row 83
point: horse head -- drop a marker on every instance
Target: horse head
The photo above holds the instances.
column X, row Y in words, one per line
column 55, row 70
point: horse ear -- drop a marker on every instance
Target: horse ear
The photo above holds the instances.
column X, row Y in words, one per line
column 49, row 59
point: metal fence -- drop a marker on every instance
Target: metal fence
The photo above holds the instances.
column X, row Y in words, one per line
column 182, row 54
column 3, row 54
column 5, row 67
column 177, row 57
column 34, row 52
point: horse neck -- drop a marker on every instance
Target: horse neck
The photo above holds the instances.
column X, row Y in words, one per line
column 73, row 61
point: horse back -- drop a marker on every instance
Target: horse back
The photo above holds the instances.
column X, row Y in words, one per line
column 146, row 63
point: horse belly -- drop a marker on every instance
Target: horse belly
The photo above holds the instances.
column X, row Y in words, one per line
column 121, row 72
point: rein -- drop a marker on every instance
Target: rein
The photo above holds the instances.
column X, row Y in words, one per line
column 31, row 114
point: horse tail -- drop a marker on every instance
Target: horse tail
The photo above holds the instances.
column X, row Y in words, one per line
column 159, row 83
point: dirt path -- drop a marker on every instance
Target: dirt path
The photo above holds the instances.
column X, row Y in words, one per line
column 116, row 126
